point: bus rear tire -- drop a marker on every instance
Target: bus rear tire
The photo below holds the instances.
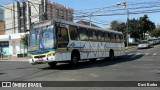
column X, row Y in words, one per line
column 111, row 55
column 52, row 64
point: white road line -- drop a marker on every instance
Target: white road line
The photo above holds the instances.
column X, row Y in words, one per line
column 138, row 53
column 146, row 53
column 154, row 54
column 94, row 75
column 130, row 54
column 135, row 55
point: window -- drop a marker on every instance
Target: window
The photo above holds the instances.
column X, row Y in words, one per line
column 92, row 35
column 73, row 33
column 121, row 38
column 118, row 38
column 100, row 36
column 113, row 37
column 62, row 36
column 83, row 34
column 107, row 37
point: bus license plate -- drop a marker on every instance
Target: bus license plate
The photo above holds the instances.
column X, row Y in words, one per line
column 40, row 59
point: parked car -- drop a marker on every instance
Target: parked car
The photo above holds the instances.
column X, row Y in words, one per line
column 144, row 44
column 156, row 41
column 151, row 42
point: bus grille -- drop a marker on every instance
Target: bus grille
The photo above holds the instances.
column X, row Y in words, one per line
column 40, row 56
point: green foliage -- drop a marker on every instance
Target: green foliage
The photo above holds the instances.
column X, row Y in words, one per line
column 24, row 39
column 156, row 32
column 136, row 27
column 118, row 26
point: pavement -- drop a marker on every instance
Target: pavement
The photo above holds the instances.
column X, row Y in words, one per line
column 130, row 47
column 14, row 58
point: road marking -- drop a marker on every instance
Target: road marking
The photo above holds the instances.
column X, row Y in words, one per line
column 146, row 53
column 135, row 55
column 94, row 75
column 130, row 54
column 154, row 54
column 138, row 53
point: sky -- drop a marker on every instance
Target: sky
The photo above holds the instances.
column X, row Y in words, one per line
column 82, row 6
column 91, row 4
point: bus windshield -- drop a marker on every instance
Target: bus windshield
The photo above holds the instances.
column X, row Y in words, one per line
column 34, row 39
column 41, row 38
column 47, row 38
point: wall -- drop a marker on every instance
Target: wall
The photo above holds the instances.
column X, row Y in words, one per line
column 1, row 27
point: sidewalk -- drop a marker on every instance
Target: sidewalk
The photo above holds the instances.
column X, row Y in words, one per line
column 130, row 47
column 14, row 58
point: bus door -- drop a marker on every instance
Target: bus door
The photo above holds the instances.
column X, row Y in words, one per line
column 62, row 42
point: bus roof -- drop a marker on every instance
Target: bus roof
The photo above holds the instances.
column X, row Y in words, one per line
column 76, row 24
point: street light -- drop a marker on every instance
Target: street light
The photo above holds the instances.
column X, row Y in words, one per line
column 118, row 4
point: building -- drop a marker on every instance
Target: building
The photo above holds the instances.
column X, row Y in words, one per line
column 58, row 11
column 1, row 22
column 1, row 27
column 19, row 16
column 86, row 23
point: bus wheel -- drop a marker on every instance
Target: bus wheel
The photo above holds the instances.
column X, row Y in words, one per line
column 52, row 64
column 74, row 59
column 111, row 55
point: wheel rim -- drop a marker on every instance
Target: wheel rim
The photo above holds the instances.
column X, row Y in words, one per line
column 74, row 60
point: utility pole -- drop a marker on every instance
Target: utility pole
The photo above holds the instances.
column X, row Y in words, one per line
column 127, row 27
column 127, row 36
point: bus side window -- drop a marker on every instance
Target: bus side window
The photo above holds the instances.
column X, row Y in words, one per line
column 73, row 33
column 121, row 38
column 113, row 40
column 83, row 34
column 62, row 37
column 117, row 38
column 107, row 37
column 100, row 36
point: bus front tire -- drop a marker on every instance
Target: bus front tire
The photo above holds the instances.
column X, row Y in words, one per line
column 74, row 60
column 52, row 64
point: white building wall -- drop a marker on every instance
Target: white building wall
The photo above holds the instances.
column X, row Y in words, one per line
column 15, row 46
column 11, row 19
column 34, row 10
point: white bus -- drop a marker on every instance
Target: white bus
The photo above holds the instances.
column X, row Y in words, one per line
column 55, row 41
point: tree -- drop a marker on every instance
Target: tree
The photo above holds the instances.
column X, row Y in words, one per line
column 118, row 26
column 155, row 32
column 137, row 27
column 145, row 25
column 134, row 28
column 24, row 40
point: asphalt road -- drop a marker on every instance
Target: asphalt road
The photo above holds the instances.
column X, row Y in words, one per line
column 137, row 65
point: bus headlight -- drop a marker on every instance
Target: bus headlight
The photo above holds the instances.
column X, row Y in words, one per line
column 51, row 54
column 30, row 56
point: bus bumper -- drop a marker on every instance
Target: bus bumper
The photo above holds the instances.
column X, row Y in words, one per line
column 44, row 60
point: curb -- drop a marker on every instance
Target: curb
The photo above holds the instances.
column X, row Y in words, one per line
column 16, row 59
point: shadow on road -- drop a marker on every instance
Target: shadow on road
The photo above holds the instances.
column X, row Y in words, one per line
column 98, row 63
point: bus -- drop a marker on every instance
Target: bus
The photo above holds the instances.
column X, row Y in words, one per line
column 56, row 41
